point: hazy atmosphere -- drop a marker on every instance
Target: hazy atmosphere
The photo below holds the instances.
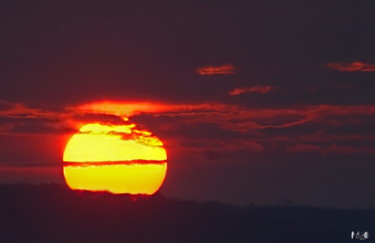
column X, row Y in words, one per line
column 255, row 102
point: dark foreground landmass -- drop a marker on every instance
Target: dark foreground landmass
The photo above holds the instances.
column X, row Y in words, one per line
column 52, row 213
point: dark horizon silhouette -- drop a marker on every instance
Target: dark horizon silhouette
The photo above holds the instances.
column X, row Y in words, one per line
column 53, row 213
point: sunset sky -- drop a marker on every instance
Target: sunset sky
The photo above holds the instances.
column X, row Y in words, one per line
column 264, row 102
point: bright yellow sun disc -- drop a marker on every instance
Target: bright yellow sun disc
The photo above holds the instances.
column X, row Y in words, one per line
column 114, row 158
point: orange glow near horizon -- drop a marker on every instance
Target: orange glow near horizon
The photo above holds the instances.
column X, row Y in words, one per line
column 121, row 108
column 114, row 158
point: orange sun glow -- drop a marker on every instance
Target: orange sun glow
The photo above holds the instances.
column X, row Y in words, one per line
column 114, row 158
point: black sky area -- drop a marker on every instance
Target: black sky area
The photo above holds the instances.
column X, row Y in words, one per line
column 149, row 50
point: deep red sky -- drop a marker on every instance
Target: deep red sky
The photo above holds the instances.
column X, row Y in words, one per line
column 255, row 102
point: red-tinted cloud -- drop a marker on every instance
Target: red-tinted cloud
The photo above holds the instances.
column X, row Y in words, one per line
column 352, row 66
column 217, row 70
column 228, row 116
column 19, row 110
column 224, row 128
column 255, row 89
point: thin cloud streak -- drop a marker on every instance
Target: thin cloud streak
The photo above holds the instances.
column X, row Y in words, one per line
column 217, row 70
column 254, row 89
column 351, row 67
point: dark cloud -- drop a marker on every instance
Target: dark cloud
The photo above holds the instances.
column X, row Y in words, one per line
column 35, row 127
column 304, row 148
column 104, row 118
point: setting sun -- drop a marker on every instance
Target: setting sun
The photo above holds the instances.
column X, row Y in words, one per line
column 114, row 158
